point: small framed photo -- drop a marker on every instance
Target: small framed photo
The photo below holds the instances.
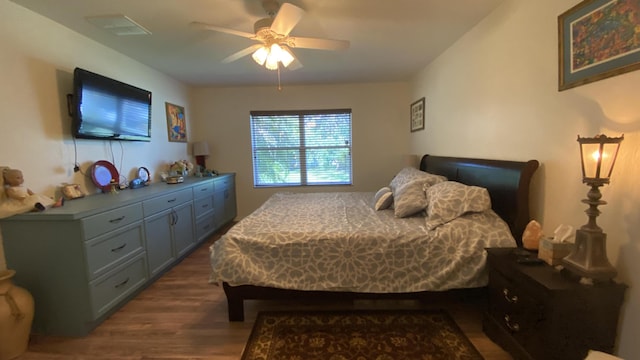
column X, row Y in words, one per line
column 417, row 115
column 176, row 123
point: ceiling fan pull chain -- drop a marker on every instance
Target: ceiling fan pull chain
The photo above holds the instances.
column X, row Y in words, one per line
column 279, row 87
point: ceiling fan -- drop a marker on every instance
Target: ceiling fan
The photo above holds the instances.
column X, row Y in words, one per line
column 272, row 33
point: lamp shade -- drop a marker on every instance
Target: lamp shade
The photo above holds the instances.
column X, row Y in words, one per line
column 598, row 155
column 200, row 148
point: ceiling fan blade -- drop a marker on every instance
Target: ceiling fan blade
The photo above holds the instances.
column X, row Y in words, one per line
column 241, row 53
column 315, row 43
column 203, row 26
column 287, row 17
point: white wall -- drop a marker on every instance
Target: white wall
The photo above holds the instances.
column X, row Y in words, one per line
column 494, row 94
column 37, row 58
column 380, row 126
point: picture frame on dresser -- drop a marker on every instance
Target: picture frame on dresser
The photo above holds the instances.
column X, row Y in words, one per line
column 590, row 49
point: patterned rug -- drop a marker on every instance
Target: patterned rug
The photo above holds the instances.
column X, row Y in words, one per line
column 358, row 335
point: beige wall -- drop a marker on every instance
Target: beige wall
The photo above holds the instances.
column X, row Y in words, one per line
column 379, row 130
column 495, row 93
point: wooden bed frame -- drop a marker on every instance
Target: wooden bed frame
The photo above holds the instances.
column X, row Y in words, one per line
column 508, row 186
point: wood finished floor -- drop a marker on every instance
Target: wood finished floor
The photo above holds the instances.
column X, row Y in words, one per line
column 182, row 316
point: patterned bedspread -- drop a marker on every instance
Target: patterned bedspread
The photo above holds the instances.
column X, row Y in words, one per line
column 338, row 242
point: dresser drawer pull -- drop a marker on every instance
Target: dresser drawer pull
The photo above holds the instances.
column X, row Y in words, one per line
column 119, row 248
column 117, row 219
column 122, row 283
column 204, row 189
column 205, row 206
column 510, row 298
column 172, row 200
column 515, row 327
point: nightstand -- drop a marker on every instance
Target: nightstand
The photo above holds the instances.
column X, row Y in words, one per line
column 537, row 312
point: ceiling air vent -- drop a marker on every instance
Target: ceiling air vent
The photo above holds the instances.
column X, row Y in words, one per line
column 119, row 25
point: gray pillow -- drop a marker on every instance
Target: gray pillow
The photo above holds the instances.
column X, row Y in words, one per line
column 410, row 198
column 449, row 200
column 408, row 188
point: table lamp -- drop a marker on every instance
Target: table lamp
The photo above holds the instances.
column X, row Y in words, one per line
column 588, row 259
column 201, row 151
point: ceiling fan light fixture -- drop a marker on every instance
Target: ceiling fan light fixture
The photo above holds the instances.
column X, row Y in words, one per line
column 286, row 57
column 272, row 61
column 260, row 55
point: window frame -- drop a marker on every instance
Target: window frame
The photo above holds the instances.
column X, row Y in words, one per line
column 302, row 147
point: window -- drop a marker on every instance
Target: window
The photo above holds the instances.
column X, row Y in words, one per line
column 295, row 148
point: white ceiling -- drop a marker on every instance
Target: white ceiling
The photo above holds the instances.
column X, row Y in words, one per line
column 390, row 40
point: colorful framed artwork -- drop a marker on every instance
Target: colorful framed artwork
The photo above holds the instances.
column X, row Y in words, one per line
column 598, row 39
column 417, row 115
column 176, row 123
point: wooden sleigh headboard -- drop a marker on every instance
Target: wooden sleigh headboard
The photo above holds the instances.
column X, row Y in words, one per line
column 507, row 183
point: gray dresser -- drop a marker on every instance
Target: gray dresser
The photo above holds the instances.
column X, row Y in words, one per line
column 84, row 260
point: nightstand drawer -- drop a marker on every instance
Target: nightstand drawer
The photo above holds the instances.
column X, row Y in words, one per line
column 105, row 252
column 111, row 220
column 511, row 307
column 110, row 289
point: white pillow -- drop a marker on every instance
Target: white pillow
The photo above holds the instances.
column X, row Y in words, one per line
column 449, row 200
column 383, row 198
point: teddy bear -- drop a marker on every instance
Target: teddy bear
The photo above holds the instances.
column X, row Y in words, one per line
column 19, row 198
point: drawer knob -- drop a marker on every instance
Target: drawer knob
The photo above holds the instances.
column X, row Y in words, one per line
column 515, row 327
column 172, row 200
column 510, row 298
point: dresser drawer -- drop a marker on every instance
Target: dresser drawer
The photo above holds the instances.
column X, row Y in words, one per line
column 204, row 226
column 113, row 287
column 223, row 182
column 111, row 220
column 203, row 205
column 106, row 251
column 203, row 190
column 164, row 202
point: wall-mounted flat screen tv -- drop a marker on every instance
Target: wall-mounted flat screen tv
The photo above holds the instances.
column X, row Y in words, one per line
column 107, row 109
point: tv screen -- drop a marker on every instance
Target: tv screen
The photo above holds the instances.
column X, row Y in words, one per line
column 108, row 109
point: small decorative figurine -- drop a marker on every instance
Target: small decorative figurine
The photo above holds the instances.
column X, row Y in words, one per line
column 17, row 198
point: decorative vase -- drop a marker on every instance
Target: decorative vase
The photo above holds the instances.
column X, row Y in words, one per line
column 16, row 316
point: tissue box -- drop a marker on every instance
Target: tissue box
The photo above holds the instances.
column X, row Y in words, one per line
column 553, row 252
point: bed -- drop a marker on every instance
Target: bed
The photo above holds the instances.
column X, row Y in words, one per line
column 336, row 245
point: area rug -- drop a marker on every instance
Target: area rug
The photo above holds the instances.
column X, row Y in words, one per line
column 358, row 335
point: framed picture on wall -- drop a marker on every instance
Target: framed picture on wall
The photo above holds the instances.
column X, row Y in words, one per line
column 176, row 123
column 417, row 115
column 598, row 39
